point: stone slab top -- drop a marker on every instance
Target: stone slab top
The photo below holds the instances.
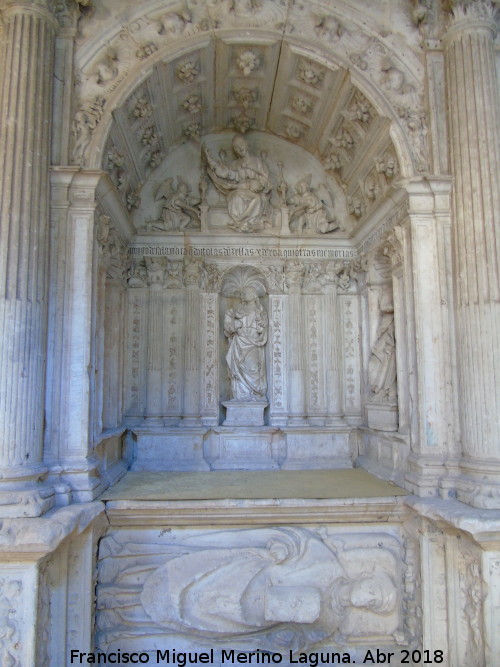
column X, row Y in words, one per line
column 249, row 485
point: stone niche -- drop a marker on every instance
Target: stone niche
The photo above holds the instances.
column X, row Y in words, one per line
column 243, row 312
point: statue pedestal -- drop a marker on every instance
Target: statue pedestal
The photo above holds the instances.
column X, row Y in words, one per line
column 382, row 416
column 244, row 413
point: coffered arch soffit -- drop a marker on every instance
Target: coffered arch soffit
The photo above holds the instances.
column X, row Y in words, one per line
column 317, row 75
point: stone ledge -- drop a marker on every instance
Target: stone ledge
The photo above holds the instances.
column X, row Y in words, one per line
column 482, row 526
column 35, row 537
column 256, row 512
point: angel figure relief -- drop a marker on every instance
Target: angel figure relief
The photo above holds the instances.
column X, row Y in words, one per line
column 309, row 212
column 180, row 209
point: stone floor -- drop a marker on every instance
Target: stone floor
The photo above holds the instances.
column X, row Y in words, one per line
column 218, row 485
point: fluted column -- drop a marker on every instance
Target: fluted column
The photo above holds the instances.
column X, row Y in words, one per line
column 26, row 53
column 474, row 124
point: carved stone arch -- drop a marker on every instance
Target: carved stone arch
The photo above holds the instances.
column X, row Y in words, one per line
column 388, row 101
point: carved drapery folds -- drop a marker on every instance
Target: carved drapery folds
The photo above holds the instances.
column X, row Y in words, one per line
column 281, row 588
column 381, row 361
column 246, row 327
column 382, row 365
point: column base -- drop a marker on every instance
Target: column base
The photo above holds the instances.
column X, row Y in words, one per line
column 478, row 484
column 18, row 500
column 24, row 492
column 424, row 475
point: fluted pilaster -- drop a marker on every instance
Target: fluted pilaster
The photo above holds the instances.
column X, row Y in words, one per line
column 334, row 393
column 191, row 411
column 294, row 277
column 26, row 52
column 154, row 407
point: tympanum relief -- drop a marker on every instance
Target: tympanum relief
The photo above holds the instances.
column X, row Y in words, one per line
column 233, row 183
column 309, row 213
column 246, row 185
column 179, row 209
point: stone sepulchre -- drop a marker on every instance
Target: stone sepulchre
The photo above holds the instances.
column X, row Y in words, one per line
column 250, row 310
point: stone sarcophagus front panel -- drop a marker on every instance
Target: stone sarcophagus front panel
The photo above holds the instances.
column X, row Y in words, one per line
column 281, row 589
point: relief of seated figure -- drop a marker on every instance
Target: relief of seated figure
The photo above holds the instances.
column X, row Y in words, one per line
column 246, row 184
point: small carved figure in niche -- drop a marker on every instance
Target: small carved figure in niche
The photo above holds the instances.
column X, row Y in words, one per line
column 85, row 122
column 246, row 328
column 155, row 270
column 308, row 213
column 179, row 209
column 246, row 184
column 282, row 185
column 314, row 278
column 294, row 272
column 174, row 273
column 382, row 364
column 137, row 275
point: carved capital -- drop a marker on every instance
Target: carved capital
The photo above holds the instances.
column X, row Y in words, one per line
column 470, row 15
column 43, row 9
column 155, row 270
column 192, row 271
column 294, row 273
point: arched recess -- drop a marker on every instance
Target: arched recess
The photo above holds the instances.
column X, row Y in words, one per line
column 287, row 88
column 334, row 90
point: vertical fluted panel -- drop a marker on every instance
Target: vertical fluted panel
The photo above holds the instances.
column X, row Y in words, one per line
column 474, row 122
column 333, row 353
column 297, row 351
column 155, row 364
column 192, row 354
column 25, row 97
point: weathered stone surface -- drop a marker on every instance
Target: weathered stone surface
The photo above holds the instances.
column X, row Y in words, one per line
column 293, row 205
